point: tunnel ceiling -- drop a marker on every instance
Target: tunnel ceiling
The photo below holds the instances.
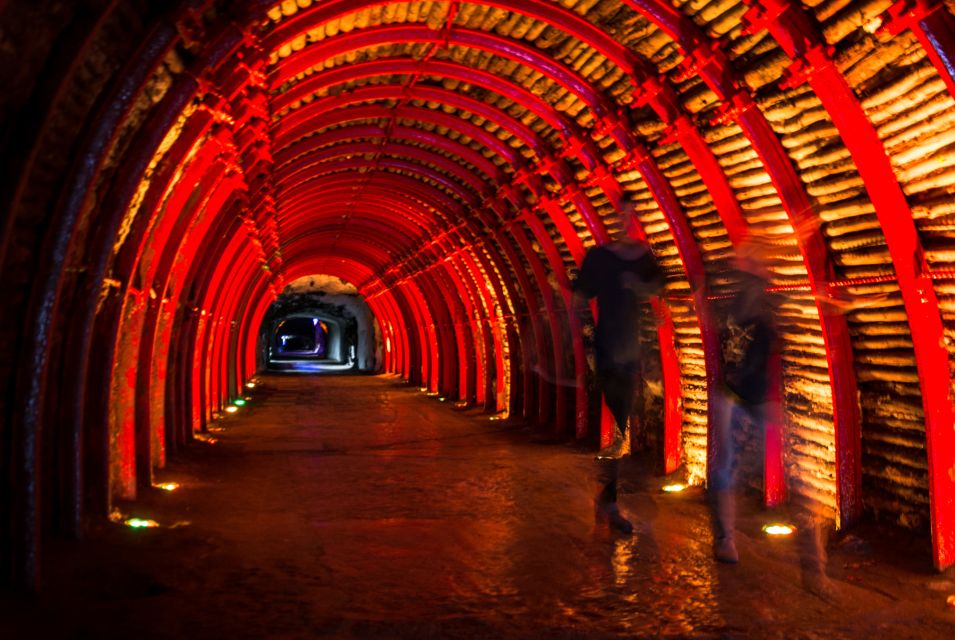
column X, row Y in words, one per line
column 455, row 160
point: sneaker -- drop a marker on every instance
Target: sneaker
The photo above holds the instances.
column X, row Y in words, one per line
column 620, row 523
column 610, row 514
column 819, row 584
column 724, row 550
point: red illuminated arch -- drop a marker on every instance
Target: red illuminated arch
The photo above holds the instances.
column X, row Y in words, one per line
column 197, row 192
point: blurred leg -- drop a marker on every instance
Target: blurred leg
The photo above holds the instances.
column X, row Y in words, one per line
column 617, row 389
column 811, row 534
column 605, row 504
column 721, row 491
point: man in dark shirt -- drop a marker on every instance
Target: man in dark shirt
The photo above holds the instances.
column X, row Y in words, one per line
column 622, row 275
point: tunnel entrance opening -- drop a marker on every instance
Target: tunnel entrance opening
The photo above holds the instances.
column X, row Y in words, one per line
column 319, row 324
column 305, row 342
column 301, row 338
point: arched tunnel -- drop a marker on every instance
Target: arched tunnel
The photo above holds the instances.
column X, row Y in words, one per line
column 170, row 169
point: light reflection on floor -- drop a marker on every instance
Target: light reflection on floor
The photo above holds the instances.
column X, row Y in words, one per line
column 309, row 366
column 355, row 507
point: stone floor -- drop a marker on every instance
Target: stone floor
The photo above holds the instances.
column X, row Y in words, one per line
column 357, row 507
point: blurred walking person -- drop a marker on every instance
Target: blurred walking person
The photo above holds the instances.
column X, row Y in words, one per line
column 750, row 347
column 749, row 341
column 622, row 275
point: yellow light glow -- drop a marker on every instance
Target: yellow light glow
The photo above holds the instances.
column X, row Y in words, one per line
column 231, row 408
column 422, row 389
column 873, row 25
column 250, row 385
column 674, row 488
column 951, row 600
column 168, row 486
column 779, row 529
column 694, row 479
column 140, row 523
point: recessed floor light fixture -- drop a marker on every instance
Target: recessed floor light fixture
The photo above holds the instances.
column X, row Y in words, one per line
column 777, row 529
column 140, row 523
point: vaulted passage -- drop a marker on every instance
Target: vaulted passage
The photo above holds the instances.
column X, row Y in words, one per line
column 423, row 179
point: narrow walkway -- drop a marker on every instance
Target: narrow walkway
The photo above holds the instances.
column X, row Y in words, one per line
column 357, row 507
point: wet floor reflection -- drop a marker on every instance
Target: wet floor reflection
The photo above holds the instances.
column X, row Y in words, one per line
column 429, row 516
column 356, row 507
column 454, row 523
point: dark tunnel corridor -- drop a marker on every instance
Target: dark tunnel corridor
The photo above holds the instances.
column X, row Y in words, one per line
column 181, row 182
